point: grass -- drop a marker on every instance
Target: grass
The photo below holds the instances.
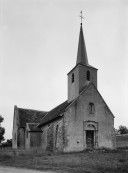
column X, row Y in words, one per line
column 82, row 162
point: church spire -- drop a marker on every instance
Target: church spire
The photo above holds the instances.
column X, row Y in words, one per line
column 81, row 54
column 83, row 73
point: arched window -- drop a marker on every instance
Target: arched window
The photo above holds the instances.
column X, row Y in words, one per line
column 72, row 77
column 88, row 75
column 91, row 108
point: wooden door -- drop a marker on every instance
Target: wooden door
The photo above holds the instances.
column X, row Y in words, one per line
column 90, row 139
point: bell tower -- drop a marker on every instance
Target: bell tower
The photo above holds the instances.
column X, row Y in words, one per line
column 82, row 73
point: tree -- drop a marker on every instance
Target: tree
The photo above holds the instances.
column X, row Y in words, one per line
column 123, row 130
column 8, row 143
column 2, row 130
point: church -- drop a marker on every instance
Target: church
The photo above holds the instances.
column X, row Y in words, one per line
column 83, row 121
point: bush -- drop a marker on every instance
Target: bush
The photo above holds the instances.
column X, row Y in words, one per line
column 6, row 144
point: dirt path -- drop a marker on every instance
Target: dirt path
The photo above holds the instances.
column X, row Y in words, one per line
column 20, row 170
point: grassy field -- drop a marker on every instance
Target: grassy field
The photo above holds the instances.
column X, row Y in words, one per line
column 84, row 162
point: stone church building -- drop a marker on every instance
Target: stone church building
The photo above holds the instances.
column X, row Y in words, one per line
column 83, row 121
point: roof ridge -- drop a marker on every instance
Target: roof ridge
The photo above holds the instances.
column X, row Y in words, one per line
column 32, row 109
column 31, row 123
column 53, row 109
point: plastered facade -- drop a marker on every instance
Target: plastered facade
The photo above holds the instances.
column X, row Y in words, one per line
column 80, row 80
column 77, row 121
column 69, row 133
column 52, row 136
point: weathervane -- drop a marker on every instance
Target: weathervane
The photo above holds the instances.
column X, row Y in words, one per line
column 81, row 16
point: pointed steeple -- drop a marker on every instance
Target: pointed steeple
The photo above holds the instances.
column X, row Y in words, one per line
column 82, row 54
column 83, row 73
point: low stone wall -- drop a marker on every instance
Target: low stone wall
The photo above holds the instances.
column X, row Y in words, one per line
column 122, row 141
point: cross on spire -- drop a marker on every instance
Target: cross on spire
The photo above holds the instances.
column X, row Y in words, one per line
column 81, row 16
column 81, row 53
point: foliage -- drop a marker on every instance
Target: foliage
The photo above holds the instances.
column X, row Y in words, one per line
column 123, row 130
column 1, row 119
column 116, row 131
column 7, row 144
column 2, row 130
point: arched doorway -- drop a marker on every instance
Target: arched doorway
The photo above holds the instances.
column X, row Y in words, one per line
column 90, row 134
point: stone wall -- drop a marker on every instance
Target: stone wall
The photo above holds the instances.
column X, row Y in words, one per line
column 15, row 129
column 78, row 113
column 14, row 138
column 21, row 138
column 35, row 139
column 27, row 139
column 80, row 80
column 122, row 141
column 44, row 137
column 58, row 128
column 52, row 136
column 69, row 133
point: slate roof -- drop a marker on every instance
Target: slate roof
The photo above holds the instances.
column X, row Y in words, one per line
column 54, row 113
column 82, row 53
column 29, row 116
column 32, row 127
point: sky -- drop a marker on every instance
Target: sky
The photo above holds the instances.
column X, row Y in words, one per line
column 38, row 47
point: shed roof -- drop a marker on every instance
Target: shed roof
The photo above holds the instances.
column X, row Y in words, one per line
column 32, row 127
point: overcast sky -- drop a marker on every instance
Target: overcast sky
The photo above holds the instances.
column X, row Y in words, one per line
column 38, row 47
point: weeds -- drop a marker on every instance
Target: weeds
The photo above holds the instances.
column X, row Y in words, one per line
column 82, row 162
column 121, row 160
column 5, row 157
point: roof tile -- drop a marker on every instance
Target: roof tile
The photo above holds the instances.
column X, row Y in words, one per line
column 33, row 127
column 54, row 113
column 29, row 116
